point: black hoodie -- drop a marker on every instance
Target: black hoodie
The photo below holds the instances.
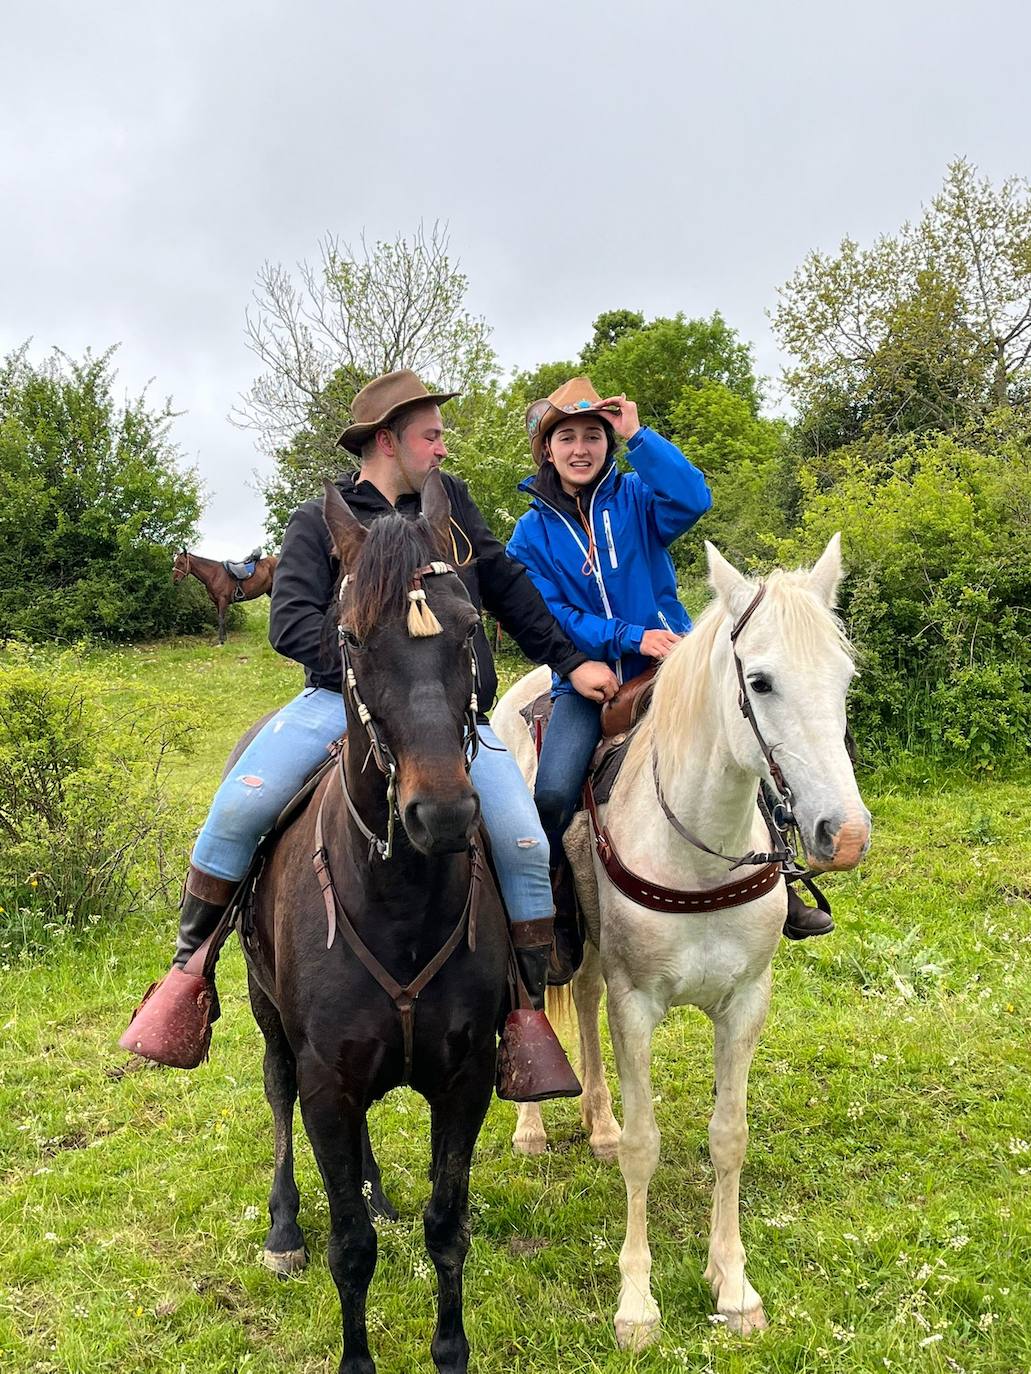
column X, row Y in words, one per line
column 307, row 573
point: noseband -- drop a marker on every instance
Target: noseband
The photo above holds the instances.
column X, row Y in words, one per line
column 379, row 750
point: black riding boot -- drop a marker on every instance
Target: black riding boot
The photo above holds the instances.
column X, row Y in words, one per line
column 532, row 1065
column 803, row 920
column 172, row 1025
column 567, row 950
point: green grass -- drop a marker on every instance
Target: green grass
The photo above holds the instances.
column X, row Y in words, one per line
column 884, row 1200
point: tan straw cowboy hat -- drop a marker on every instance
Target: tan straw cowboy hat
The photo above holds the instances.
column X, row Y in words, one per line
column 577, row 397
column 378, row 403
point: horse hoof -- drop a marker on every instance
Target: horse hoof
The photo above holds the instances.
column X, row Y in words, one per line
column 529, row 1144
column 285, row 1262
column 632, row 1335
column 606, row 1149
column 745, row 1323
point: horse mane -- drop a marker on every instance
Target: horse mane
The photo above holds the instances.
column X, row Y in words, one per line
column 380, row 577
column 683, row 685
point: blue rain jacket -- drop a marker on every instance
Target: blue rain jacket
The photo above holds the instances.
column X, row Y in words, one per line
column 631, row 585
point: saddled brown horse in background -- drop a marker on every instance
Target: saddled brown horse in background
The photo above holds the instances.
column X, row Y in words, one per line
column 382, row 959
column 221, row 586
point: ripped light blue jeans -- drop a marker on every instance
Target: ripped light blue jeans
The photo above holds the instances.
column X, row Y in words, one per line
column 293, row 743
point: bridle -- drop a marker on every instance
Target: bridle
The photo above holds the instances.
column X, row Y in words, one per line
column 180, row 574
column 379, row 751
column 780, row 818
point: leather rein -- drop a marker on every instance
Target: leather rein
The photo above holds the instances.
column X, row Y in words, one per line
column 403, row 997
column 777, row 863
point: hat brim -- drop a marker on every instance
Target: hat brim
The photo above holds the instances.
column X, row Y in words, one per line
column 355, row 436
column 553, row 416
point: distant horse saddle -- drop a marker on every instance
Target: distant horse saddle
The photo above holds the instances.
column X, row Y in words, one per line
column 242, row 570
column 618, row 719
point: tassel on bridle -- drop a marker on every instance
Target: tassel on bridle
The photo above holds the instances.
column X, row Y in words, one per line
column 421, row 620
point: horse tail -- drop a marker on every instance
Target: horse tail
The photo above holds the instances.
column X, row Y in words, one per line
column 560, row 1009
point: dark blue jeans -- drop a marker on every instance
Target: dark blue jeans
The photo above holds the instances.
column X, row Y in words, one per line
column 573, row 732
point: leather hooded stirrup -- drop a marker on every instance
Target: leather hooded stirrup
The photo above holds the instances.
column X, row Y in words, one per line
column 532, row 1065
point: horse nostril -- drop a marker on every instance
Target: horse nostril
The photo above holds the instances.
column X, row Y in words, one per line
column 824, row 837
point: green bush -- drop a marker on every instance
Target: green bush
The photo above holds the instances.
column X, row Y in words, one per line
column 83, row 810
column 937, row 541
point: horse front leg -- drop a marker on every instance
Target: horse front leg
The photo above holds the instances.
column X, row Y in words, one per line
column 596, row 1103
column 221, row 622
column 632, row 1021
column 334, row 1126
column 529, row 1136
column 736, row 1029
column 456, row 1122
column 284, row 1251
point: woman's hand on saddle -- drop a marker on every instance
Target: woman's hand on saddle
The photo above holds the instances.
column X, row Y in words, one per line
column 658, row 643
column 621, row 415
column 595, row 681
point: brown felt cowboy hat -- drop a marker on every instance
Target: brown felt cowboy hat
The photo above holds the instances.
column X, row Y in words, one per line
column 383, row 398
column 577, row 397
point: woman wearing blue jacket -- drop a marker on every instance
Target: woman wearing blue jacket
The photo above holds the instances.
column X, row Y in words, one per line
column 595, row 542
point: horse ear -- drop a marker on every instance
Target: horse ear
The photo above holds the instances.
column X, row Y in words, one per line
column 732, row 587
column 347, row 533
column 826, row 573
column 437, row 510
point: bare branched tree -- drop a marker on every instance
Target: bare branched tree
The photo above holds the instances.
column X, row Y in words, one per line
column 350, row 317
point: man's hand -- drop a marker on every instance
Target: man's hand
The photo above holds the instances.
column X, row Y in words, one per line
column 658, row 643
column 621, row 415
column 595, row 681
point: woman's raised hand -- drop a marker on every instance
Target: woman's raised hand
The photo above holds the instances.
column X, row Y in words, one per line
column 621, row 415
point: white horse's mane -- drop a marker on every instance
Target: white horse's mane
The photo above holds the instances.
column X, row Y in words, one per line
column 805, row 626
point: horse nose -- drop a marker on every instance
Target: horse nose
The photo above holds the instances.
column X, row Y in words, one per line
column 840, row 841
column 442, row 827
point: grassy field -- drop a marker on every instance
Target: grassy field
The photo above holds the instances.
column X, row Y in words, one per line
column 884, row 1201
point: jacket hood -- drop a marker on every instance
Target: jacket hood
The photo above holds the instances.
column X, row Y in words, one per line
column 551, row 493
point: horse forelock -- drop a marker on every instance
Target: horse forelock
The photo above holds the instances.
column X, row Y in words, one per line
column 380, row 577
column 807, row 631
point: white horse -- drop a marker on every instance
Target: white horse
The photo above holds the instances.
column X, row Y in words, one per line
column 696, row 745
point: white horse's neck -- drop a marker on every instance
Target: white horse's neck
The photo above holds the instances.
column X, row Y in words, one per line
column 704, row 787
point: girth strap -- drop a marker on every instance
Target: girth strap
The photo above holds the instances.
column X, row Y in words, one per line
column 404, row 998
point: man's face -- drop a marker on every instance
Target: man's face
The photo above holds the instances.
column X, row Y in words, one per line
column 420, row 447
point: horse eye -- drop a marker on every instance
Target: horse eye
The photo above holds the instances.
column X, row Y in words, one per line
column 349, row 638
column 470, row 634
column 760, row 684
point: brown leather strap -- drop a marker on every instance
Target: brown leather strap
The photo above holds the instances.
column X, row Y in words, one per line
column 657, row 898
column 404, row 998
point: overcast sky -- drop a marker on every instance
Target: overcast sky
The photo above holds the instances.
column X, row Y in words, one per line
column 662, row 157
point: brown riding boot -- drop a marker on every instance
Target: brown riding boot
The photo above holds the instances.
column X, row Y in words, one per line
column 172, row 1025
column 532, row 1065
column 567, row 950
column 803, row 920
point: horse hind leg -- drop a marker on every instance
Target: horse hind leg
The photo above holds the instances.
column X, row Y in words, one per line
column 736, row 1032
column 596, row 1103
column 284, row 1251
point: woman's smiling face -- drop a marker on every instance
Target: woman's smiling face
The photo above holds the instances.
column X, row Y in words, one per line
column 578, row 447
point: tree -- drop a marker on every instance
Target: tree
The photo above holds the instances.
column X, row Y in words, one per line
column 926, row 329
column 93, row 504
column 609, row 328
column 655, row 364
column 354, row 315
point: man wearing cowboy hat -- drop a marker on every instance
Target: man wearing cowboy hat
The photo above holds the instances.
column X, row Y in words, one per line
column 397, row 433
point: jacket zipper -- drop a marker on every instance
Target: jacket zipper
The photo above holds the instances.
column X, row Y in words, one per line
column 613, row 561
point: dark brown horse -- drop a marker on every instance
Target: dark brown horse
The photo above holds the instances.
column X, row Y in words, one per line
column 221, row 586
column 383, row 961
